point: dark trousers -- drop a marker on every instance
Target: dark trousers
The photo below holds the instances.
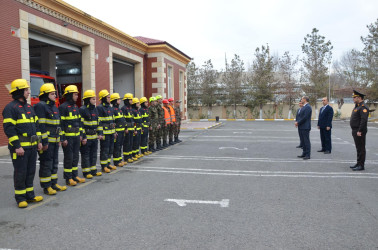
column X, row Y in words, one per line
column 128, row 145
column 177, row 130
column 305, row 138
column 136, row 143
column 117, row 153
column 300, row 139
column 71, row 157
column 89, row 157
column 325, row 138
column 165, row 132
column 106, row 150
column 144, row 140
column 171, row 131
column 360, row 142
column 48, row 165
column 23, row 175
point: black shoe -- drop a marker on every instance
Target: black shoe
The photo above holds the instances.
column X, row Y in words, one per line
column 178, row 140
column 321, row 150
column 300, row 156
column 327, row 152
column 358, row 168
column 306, row 158
column 165, row 144
column 299, row 146
column 171, row 143
column 353, row 166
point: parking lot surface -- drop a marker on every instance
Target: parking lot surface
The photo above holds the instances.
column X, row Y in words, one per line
column 239, row 185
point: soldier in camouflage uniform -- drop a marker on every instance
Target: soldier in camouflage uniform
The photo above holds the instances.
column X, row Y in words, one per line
column 178, row 121
column 154, row 124
column 159, row 131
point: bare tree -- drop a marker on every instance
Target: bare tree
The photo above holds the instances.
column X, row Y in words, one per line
column 232, row 80
column 194, row 88
column 209, row 77
column 261, row 81
column 288, row 77
column 318, row 54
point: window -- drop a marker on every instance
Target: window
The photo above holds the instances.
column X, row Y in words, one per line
column 170, row 85
column 181, row 89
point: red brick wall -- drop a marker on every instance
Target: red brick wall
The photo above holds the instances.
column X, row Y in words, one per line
column 10, row 52
column 10, row 55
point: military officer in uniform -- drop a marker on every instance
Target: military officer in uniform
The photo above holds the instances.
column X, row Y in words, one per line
column 358, row 123
column 21, row 128
column 160, row 130
column 178, row 121
column 154, row 124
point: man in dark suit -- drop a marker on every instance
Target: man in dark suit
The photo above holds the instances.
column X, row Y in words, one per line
column 304, row 125
column 296, row 119
column 325, row 126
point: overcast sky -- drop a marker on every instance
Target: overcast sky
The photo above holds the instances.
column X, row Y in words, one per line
column 212, row 29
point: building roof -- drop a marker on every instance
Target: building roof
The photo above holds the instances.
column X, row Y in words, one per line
column 151, row 42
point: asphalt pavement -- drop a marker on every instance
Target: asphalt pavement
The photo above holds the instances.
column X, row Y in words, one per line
column 238, row 185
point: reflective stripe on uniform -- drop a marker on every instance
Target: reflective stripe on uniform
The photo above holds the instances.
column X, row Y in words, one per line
column 29, row 189
column 93, row 168
column 68, row 170
column 91, row 137
column 90, row 123
column 53, row 139
column 10, row 120
column 28, row 144
column 75, row 168
column 86, row 170
column 72, row 134
column 45, row 179
column 54, row 176
column 103, row 162
column 20, row 191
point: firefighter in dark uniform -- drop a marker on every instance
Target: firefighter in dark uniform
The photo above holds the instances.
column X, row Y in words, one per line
column 160, row 131
column 138, row 128
column 358, row 123
column 72, row 135
column 154, row 124
column 129, row 129
column 145, row 126
column 21, row 127
column 89, row 118
column 49, row 123
column 107, row 130
column 178, row 121
column 120, row 125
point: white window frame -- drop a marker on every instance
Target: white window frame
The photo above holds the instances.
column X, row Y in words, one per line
column 169, row 81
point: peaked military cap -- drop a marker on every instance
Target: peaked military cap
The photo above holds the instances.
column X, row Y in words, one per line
column 356, row 94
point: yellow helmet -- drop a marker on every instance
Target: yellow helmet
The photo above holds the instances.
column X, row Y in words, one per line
column 158, row 97
column 70, row 89
column 135, row 100
column 128, row 96
column 143, row 99
column 18, row 84
column 89, row 94
column 152, row 99
column 46, row 88
column 103, row 93
column 114, row 96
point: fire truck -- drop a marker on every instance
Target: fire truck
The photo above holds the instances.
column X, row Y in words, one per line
column 38, row 78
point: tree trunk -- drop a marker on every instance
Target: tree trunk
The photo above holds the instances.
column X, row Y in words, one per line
column 289, row 116
column 235, row 111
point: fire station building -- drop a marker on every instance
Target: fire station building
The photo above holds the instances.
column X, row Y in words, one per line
column 50, row 39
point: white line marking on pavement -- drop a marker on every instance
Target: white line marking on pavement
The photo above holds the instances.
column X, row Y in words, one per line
column 243, row 132
column 34, row 205
column 257, row 175
column 183, row 203
column 233, row 148
column 259, row 171
column 280, row 160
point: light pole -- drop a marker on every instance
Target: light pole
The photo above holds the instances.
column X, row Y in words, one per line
column 329, row 81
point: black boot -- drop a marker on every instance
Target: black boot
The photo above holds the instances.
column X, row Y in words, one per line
column 151, row 148
column 158, row 146
column 165, row 144
column 171, row 142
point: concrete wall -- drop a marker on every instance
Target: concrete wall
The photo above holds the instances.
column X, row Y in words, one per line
column 269, row 112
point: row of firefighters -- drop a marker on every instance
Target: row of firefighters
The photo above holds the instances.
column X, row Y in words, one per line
column 126, row 134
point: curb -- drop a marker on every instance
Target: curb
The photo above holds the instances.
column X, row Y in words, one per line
column 240, row 120
column 212, row 126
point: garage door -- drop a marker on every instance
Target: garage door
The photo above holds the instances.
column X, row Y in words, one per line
column 35, row 35
column 123, row 77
